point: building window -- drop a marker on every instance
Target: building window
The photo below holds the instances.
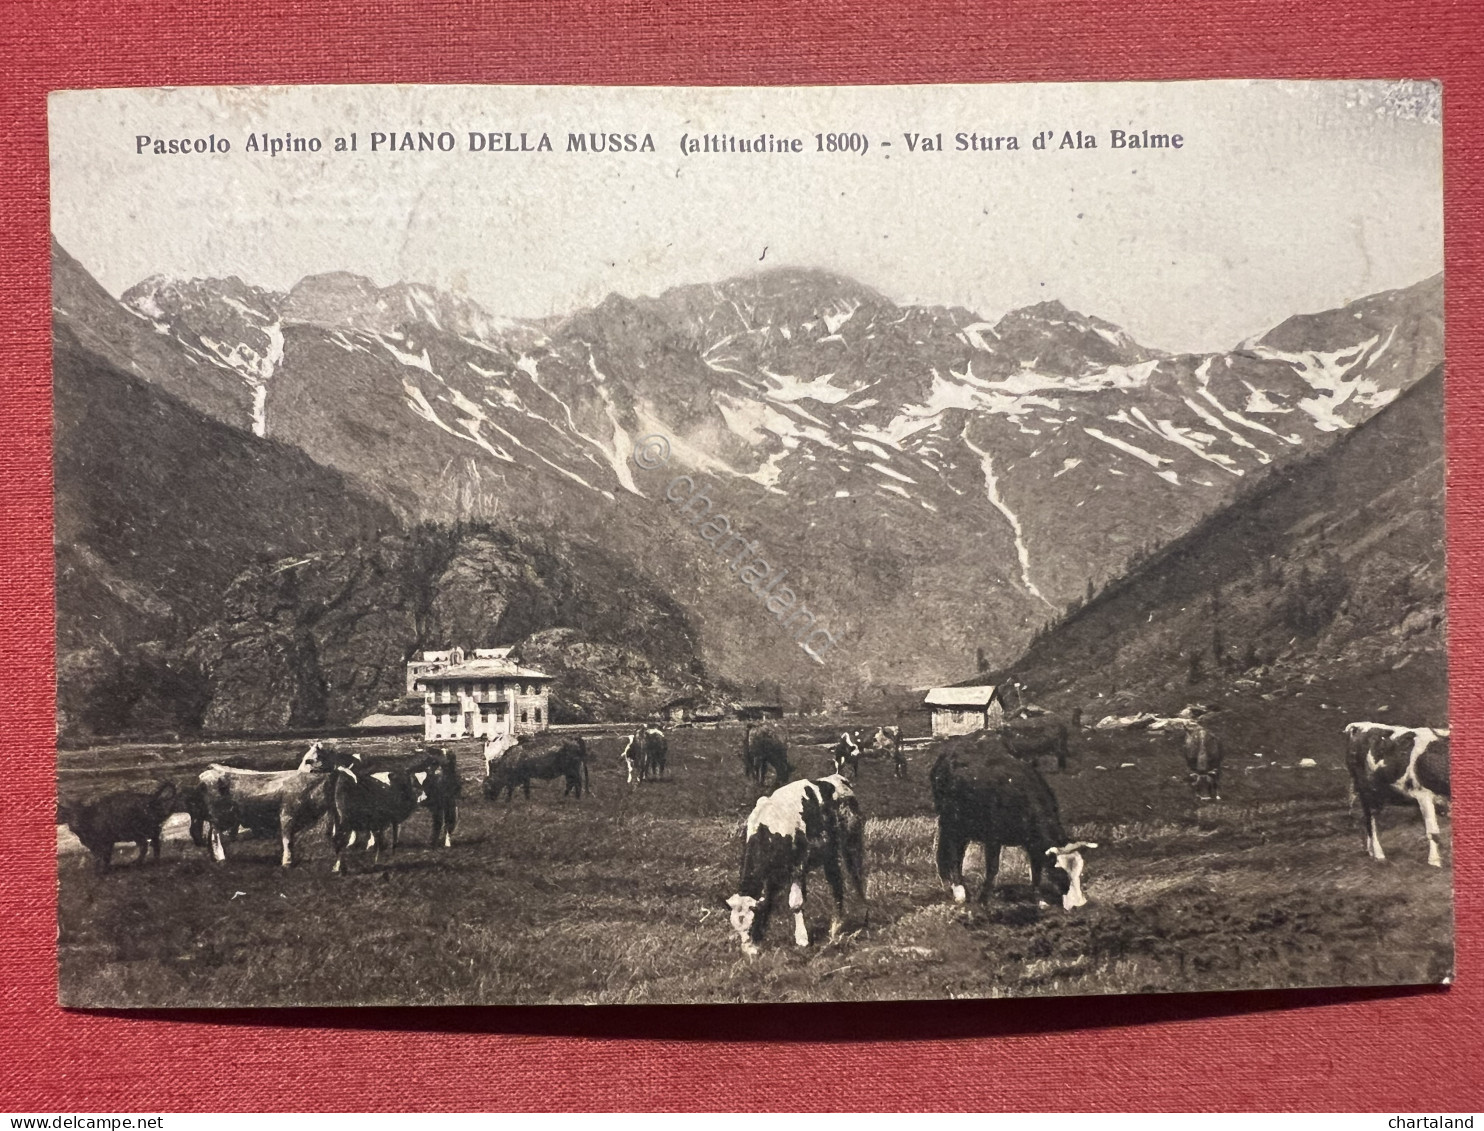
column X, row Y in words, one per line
column 538, row 714
column 522, row 716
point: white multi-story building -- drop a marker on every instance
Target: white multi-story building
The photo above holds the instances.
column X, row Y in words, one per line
column 479, row 694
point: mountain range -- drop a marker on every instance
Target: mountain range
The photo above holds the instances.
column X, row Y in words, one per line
column 935, row 483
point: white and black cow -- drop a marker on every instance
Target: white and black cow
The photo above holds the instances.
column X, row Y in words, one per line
column 798, row 827
column 645, row 754
column 846, row 754
column 983, row 793
column 1391, row 765
column 371, row 805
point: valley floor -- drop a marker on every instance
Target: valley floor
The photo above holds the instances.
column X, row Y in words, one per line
column 618, row 898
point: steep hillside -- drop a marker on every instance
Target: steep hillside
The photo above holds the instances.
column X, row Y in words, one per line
column 1315, row 600
column 147, row 347
column 157, row 511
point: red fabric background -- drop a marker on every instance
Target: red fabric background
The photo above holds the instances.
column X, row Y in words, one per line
column 1377, row 1049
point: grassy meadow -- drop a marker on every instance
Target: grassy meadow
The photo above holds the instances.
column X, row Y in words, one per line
column 619, row 897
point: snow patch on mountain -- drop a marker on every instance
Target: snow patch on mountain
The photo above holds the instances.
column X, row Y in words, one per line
column 1124, row 446
column 996, row 500
column 794, row 389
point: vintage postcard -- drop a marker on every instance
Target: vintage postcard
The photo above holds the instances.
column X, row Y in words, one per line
column 533, row 544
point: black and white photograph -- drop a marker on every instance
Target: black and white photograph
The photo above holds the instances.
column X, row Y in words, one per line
column 574, row 545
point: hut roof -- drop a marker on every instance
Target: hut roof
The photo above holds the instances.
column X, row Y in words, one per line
column 979, row 696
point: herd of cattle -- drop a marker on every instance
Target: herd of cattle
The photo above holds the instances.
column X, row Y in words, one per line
column 986, row 788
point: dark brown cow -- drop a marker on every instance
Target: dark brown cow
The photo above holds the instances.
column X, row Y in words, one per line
column 1392, row 765
column 442, row 786
column 983, row 794
column 371, row 805
column 120, row 816
column 764, row 748
column 565, row 759
column 1027, row 735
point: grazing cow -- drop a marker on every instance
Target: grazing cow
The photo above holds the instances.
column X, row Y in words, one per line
column 888, row 740
column 566, row 759
column 1030, row 732
column 1390, row 764
column 645, row 754
column 1203, row 755
column 122, row 816
column 984, row 794
column 289, row 800
column 798, row 827
column 496, row 748
column 764, row 748
column 370, row 804
column 847, row 754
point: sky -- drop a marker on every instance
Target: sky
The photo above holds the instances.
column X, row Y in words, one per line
column 1285, row 197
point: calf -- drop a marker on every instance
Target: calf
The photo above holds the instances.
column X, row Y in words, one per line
column 121, row 816
column 846, row 754
column 1203, row 755
column 763, row 748
column 1389, row 765
column 370, row 804
column 289, row 800
column 983, row 793
column 645, row 754
column 798, row 827
column 566, row 759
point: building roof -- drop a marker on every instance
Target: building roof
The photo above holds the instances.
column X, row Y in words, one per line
column 979, row 696
column 482, row 669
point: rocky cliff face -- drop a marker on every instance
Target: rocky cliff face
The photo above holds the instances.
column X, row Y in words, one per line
column 324, row 638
